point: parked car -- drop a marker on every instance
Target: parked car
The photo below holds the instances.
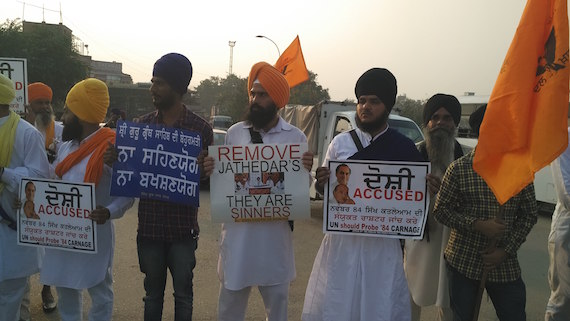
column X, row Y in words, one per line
column 219, row 136
column 221, row 122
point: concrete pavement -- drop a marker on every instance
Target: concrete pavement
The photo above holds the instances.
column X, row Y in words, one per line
column 128, row 280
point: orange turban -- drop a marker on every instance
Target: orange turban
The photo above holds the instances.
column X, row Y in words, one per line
column 89, row 100
column 39, row 90
column 272, row 81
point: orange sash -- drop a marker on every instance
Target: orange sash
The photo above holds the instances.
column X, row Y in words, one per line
column 50, row 133
column 96, row 145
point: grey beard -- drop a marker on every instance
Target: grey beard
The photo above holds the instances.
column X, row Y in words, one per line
column 43, row 120
column 440, row 146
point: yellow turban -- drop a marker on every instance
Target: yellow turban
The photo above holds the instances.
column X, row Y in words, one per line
column 7, row 91
column 89, row 100
column 272, row 81
column 39, row 90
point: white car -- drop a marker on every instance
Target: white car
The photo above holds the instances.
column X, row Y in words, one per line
column 219, row 136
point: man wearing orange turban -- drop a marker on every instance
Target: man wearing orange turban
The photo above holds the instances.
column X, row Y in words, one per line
column 259, row 254
column 80, row 159
column 40, row 114
column 21, row 155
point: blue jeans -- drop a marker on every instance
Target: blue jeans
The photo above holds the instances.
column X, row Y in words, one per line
column 155, row 257
column 509, row 298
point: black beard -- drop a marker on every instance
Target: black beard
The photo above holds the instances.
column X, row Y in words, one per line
column 440, row 146
column 260, row 117
column 374, row 124
column 72, row 130
column 164, row 103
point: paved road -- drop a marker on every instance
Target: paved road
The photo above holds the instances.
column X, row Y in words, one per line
column 307, row 237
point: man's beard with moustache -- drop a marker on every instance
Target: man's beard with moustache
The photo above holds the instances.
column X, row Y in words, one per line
column 164, row 102
column 440, row 146
column 260, row 117
column 72, row 130
column 373, row 125
column 44, row 119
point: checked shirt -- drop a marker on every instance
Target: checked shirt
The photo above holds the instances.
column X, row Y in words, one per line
column 465, row 197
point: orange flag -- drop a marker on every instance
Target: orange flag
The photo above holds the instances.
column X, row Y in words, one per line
column 292, row 64
column 525, row 125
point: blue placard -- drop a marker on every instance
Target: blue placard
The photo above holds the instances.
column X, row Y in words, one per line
column 157, row 162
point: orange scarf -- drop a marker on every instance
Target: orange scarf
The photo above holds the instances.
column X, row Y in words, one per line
column 96, row 145
column 50, row 133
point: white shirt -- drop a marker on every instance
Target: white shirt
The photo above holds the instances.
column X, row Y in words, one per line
column 258, row 253
column 28, row 159
column 558, row 240
column 83, row 270
column 356, row 277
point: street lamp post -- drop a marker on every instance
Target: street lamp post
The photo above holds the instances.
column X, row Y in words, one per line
column 278, row 51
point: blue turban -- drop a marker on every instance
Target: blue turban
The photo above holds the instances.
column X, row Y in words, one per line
column 176, row 70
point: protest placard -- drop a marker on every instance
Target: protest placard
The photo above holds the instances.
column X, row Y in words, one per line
column 17, row 70
column 157, row 162
column 259, row 182
column 376, row 198
column 55, row 214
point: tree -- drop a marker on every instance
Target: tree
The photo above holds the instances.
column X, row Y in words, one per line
column 410, row 108
column 228, row 95
column 50, row 54
column 308, row 92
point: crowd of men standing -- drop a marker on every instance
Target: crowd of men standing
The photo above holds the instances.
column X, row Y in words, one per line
column 354, row 277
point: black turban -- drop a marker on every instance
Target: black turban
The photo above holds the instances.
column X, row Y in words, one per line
column 437, row 101
column 379, row 82
column 476, row 119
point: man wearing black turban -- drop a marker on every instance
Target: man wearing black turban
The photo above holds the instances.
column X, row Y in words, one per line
column 423, row 258
column 367, row 262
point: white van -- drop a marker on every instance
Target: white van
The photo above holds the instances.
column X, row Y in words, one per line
column 342, row 121
column 323, row 121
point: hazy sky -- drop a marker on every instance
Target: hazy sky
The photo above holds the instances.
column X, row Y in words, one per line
column 449, row 46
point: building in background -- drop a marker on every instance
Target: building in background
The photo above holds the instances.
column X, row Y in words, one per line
column 133, row 99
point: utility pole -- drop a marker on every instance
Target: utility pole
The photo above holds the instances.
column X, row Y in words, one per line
column 231, row 44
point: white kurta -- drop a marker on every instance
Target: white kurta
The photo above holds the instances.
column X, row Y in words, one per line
column 83, row 270
column 356, row 277
column 28, row 160
column 259, row 253
column 558, row 307
column 425, row 265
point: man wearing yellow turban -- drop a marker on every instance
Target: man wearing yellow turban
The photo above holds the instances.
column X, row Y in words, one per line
column 40, row 114
column 21, row 155
column 80, row 159
column 259, row 254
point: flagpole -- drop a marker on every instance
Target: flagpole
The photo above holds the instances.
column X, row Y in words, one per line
column 479, row 297
column 278, row 51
